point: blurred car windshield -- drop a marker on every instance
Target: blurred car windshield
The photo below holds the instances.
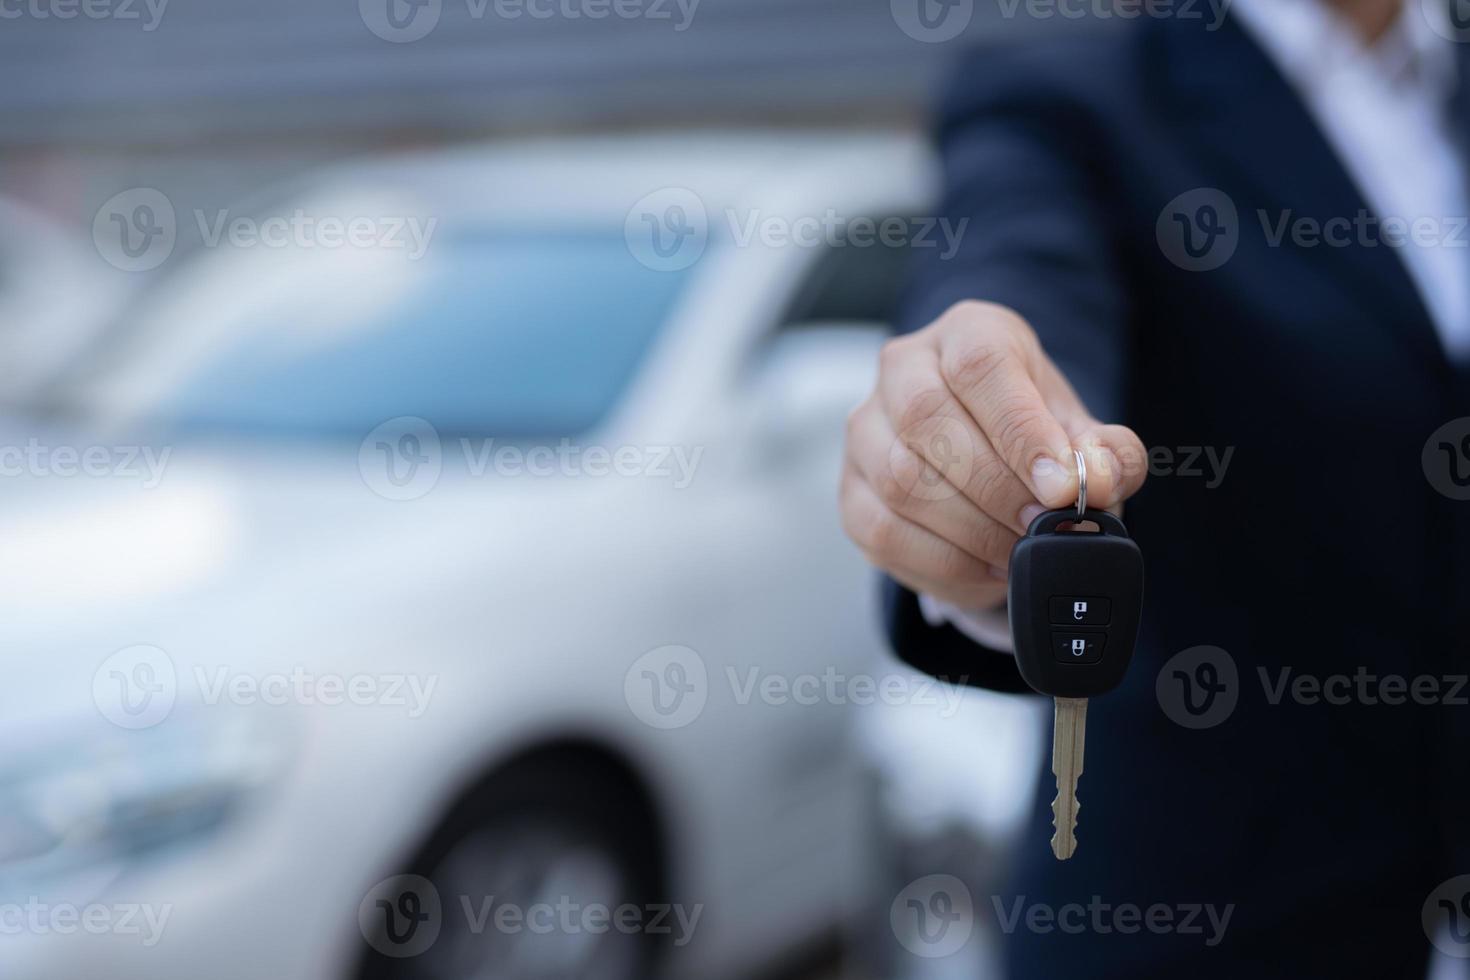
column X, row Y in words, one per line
column 508, row 334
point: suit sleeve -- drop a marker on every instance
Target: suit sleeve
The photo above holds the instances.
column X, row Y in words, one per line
column 1020, row 147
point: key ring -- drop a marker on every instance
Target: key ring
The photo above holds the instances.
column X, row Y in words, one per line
column 1081, row 483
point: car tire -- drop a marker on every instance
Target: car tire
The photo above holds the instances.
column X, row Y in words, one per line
column 544, row 844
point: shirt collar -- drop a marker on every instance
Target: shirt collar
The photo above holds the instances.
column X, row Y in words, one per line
column 1310, row 42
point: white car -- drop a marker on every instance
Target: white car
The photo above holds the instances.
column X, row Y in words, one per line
column 55, row 291
column 511, row 563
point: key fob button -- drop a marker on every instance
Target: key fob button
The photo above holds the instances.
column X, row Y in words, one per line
column 1080, row 610
column 1078, row 648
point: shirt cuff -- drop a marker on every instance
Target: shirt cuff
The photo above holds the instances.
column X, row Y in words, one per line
column 991, row 628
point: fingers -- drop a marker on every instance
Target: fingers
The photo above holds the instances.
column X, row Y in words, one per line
column 1116, row 462
column 988, row 362
column 968, row 436
column 917, row 557
column 931, row 423
column 909, row 486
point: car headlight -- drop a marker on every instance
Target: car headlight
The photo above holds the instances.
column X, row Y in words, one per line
column 88, row 808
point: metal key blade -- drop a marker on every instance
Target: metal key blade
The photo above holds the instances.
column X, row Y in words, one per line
column 1069, row 733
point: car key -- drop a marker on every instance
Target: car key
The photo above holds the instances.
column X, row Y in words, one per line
column 1075, row 598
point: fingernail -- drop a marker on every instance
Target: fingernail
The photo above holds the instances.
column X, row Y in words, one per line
column 1030, row 513
column 1050, row 480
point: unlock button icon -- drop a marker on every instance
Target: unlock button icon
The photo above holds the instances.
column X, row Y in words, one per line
column 1078, row 648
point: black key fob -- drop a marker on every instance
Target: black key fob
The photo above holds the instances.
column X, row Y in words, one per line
column 1075, row 600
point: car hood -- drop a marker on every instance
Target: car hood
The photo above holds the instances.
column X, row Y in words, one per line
column 289, row 557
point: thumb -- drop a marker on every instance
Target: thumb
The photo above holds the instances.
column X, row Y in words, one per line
column 1117, row 462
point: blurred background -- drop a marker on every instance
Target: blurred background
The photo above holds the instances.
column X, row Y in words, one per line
column 420, row 438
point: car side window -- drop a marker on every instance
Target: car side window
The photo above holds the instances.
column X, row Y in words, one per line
column 850, row 283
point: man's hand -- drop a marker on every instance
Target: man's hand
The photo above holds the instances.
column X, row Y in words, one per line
column 969, row 436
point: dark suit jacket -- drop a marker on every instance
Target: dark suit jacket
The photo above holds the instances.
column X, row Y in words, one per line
column 1324, row 551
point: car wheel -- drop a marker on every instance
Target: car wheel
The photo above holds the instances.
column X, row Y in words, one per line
column 547, row 872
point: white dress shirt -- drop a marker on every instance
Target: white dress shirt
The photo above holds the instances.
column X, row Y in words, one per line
column 1384, row 108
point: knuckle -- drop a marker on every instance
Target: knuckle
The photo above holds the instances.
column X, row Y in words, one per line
column 1015, row 425
column 967, row 366
column 956, row 566
column 920, row 404
column 853, row 425
column 991, row 483
column 995, row 541
column 884, row 536
column 892, row 482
